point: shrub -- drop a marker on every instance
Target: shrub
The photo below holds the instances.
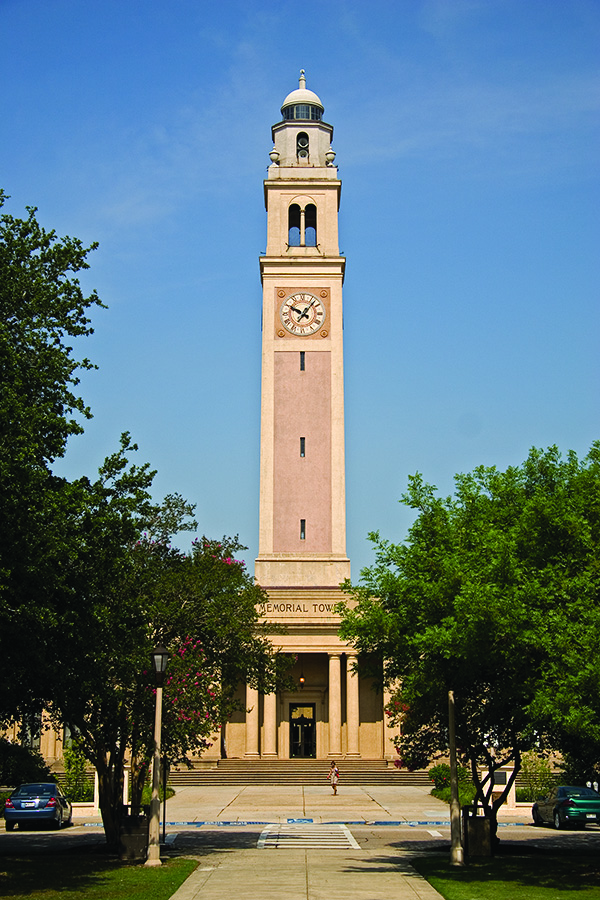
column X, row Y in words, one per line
column 538, row 776
column 440, row 775
column 526, row 795
column 77, row 785
column 466, row 794
column 20, row 765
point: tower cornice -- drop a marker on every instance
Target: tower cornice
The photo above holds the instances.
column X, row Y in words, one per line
column 301, row 266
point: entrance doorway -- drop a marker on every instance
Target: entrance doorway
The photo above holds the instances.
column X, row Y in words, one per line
column 303, row 731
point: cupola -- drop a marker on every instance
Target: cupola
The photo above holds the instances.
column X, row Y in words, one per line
column 302, row 104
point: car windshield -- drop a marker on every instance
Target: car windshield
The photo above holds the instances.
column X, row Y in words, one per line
column 580, row 792
column 35, row 790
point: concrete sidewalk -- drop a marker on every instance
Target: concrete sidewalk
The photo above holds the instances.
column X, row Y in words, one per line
column 278, row 803
column 296, row 874
column 305, row 875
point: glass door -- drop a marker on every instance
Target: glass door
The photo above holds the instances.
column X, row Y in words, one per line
column 303, row 731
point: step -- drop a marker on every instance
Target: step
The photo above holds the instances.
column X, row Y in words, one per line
column 297, row 772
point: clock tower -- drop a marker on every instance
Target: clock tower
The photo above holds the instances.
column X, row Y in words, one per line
column 302, row 532
column 302, row 540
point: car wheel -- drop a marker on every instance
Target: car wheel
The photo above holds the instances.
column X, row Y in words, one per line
column 58, row 823
column 558, row 823
column 10, row 826
column 537, row 819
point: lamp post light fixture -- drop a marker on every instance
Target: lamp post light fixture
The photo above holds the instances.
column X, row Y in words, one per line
column 160, row 658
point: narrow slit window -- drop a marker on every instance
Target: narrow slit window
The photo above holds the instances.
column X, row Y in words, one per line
column 302, row 529
column 302, row 447
column 302, row 360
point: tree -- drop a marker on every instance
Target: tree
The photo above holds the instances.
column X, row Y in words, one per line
column 42, row 310
column 122, row 593
column 88, row 580
column 493, row 595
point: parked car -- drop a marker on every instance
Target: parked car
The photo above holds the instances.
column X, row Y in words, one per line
column 44, row 802
column 567, row 805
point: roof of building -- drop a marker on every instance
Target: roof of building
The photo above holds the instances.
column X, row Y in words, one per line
column 302, row 95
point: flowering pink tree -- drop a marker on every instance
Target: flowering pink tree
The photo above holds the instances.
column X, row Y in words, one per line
column 204, row 607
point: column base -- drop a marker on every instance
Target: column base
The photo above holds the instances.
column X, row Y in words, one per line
column 352, row 756
column 269, row 756
column 251, row 755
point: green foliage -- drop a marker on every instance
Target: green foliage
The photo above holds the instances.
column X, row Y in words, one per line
column 43, row 313
column 525, row 795
column 493, row 595
column 466, row 794
column 147, row 794
column 440, row 775
column 19, row 765
column 41, row 305
column 77, row 784
column 580, row 766
column 538, row 776
column 88, row 580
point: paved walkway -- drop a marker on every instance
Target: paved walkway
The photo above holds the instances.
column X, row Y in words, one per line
column 380, row 873
column 278, row 803
column 305, row 875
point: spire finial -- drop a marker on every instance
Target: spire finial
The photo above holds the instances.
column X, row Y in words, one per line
column 302, row 80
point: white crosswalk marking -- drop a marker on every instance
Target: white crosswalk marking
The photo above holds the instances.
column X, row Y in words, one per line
column 307, row 837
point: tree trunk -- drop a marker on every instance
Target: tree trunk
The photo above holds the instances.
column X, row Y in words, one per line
column 110, row 787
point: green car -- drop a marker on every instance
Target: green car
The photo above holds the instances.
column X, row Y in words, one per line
column 568, row 805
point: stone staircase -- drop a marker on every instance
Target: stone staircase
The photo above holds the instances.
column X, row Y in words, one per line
column 296, row 772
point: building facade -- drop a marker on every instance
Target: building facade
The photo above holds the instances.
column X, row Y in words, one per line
column 302, row 542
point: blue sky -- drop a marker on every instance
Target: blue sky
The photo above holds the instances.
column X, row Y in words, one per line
column 466, row 134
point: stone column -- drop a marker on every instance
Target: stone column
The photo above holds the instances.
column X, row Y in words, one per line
column 389, row 750
column 352, row 706
column 335, row 705
column 251, row 722
column 270, row 727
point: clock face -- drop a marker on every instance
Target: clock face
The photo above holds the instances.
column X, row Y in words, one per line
column 302, row 314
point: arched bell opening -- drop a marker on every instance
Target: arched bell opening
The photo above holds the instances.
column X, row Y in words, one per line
column 294, row 226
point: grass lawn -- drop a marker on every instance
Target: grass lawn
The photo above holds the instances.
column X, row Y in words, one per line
column 71, row 876
column 514, row 878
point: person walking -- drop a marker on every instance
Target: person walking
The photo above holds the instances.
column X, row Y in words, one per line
column 334, row 775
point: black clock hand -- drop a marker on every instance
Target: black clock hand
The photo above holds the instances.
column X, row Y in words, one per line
column 305, row 313
column 295, row 308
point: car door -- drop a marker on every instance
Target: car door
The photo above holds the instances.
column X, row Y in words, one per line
column 546, row 806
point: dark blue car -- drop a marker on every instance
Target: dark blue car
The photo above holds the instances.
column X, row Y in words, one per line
column 42, row 802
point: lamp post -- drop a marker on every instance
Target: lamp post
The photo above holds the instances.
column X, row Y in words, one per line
column 160, row 658
column 456, row 850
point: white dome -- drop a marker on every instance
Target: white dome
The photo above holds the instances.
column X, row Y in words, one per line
column 302, row 95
